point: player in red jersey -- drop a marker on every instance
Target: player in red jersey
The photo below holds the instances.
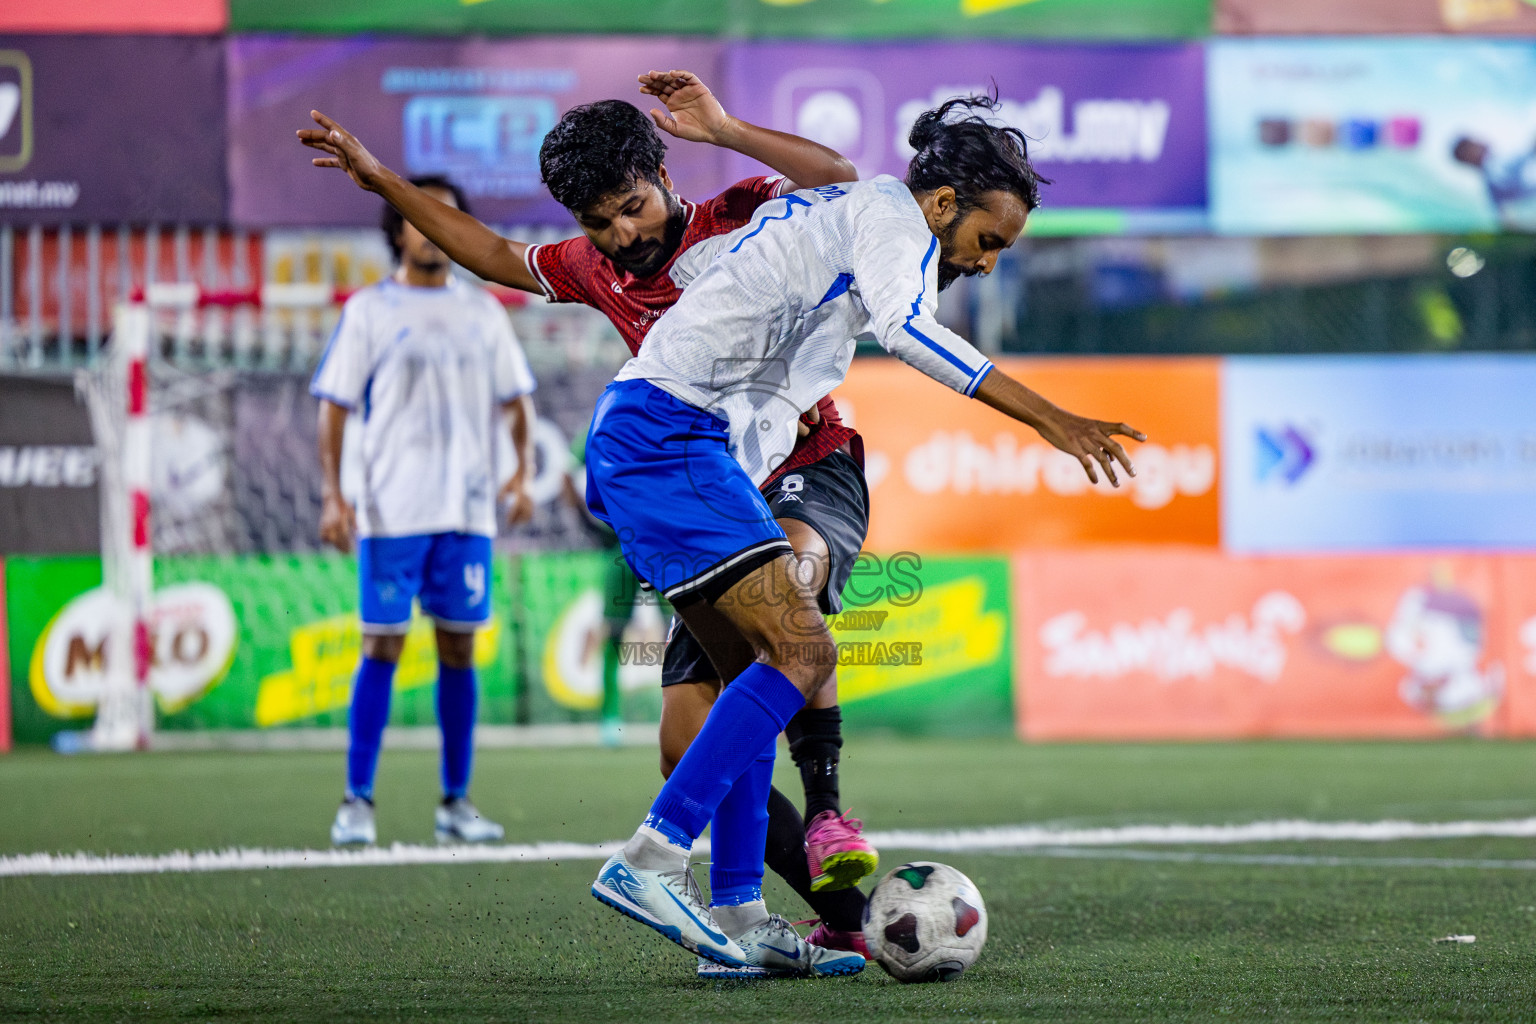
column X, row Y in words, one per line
column 604, row 162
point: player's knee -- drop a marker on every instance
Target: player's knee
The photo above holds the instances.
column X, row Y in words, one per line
column 456, row 650
column 383, row 647
column 808, row 660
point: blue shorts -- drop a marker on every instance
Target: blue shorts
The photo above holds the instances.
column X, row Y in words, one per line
column 661, row 474
column 450, row 572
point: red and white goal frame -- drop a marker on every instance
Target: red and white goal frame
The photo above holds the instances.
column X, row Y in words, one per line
column 118, row 395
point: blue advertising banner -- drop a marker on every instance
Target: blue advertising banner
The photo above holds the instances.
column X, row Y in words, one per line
column 473, row 109
column 1374, row 136
column 1120, row 129
column 1365, row 453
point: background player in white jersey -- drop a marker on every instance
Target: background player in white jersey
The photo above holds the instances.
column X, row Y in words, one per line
column 710, row 404
column 429, row 370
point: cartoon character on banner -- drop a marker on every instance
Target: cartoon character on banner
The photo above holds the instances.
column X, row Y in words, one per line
column 1438, row 634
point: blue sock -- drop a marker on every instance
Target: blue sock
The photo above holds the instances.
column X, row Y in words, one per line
column 370, row 713
column 739, row 835
column 456, row 719
column 749, row 715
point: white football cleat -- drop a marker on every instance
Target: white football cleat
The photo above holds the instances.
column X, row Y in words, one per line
column 459, row 822
column 720, row 972
column 354, row 823
column 670, row 902
column 776, row 947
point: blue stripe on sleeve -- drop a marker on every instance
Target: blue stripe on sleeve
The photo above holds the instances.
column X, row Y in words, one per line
column 917, row 310
column 329, row 345
column 316, row 392
column 981, row 376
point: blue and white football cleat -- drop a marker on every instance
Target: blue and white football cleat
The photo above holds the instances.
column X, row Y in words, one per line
column 671, row 903
column 354, row 823
column 459, row 821
column 774, row 946
column 719, row 972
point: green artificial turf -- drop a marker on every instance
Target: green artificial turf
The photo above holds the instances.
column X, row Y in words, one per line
column 1074, row 935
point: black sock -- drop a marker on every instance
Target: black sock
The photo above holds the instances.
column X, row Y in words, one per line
column 842, row 909
column 815, row 737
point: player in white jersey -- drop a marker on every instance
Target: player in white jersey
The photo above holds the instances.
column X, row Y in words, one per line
column 709, row 404
column 429, row 371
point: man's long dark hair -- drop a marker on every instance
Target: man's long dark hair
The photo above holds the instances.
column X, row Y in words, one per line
column 598, row 148
column 391, row 220
column 971, row 154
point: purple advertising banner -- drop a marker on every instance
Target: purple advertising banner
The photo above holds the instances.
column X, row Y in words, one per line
column 474, row 109
column 111, row 129
column 1116, row 127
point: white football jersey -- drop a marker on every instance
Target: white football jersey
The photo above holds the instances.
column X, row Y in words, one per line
column 425, row 372
column 769, row 315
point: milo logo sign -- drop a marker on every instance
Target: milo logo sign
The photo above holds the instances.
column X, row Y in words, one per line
column 192, row 643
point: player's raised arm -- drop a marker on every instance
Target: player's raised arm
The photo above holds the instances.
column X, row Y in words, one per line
column 694, row 114
column 467, row 242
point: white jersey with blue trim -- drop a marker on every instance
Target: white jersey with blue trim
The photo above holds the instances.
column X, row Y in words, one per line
column 425, row 372
column 769, row 315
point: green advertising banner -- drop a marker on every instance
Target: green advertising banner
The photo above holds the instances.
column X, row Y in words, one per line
column 272, row 642
column 240, row 642
column 562, row 603
column 798, row 19
column 924, row 646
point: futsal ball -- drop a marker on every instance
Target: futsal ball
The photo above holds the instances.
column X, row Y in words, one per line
column 925, row 922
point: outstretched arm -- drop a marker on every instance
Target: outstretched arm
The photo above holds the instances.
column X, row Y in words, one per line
column 694, row 114
column 467, row 242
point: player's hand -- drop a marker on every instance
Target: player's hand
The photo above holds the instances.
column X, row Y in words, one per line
column 343, row 151
column 693, row 114
column 338, row 523
column 1091, row 442
column 808, row 421
column 519, row 502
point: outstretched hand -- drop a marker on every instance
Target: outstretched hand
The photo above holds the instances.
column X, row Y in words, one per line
column 1091, row 442
column 693, row 114
column 343, row 149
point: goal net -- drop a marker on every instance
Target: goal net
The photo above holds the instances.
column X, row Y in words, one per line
column 219, row 615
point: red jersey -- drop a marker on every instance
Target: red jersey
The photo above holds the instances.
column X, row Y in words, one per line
column 576, row 271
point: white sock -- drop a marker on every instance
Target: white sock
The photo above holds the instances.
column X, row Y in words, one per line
column 650, row 850
column 738, row 920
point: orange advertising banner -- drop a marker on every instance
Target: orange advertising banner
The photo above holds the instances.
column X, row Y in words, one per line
column 1190, row 644
column 174, row 16
column 949, row 474
column 1518, row 578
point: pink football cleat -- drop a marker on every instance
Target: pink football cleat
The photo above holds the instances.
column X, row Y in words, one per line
column 830, row 938
column 839, row 856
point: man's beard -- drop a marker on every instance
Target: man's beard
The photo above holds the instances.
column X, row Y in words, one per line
column 642, row 259
column 949, row 272
column 429, row 260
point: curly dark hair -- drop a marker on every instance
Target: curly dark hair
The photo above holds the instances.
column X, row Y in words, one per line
column 391, row 221
column 971, row 154
column 597, row 148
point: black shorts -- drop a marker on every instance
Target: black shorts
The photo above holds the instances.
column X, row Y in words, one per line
column 832, row 498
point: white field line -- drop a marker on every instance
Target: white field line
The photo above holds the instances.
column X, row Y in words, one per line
column 1018, row 839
